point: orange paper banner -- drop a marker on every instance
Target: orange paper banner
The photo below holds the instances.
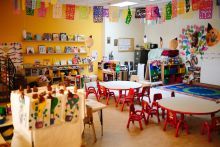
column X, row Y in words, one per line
column 195, row 5
column 174, row 8
column 181, row 7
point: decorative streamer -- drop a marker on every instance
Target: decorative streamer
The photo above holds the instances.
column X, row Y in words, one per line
column 57, row 10
column 174, row 8
column 46, row 3
column 42, row 11
column 123, row 13
column 53, row 2
column 29, row 4
column 33, row 4
column 70, row 11
column 163, row 14
column 187, row 5
column 152, row 12
column 113, row 14
column 17, row 6
column 206, row 8
column 38, row 4
column 105, row 12
column 30, row 11
column 156, row 12
column 181, row 7
column 129, row 15
column 23, row 4
column 140, row 12
column 83, row 12
column 195, row 5
column 168, row 11
column 97, row 14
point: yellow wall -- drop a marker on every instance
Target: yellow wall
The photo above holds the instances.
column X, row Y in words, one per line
column 11, row 27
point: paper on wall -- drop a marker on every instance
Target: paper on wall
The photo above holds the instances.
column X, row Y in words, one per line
column 94, row 54
column 140, row 71
column 57, row 10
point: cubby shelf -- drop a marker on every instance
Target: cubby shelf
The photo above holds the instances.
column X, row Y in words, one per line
column 56, row 66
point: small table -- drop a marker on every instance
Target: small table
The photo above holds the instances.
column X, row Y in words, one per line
column 96, row 106
column 187, row 105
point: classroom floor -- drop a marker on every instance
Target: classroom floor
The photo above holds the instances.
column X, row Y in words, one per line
column 117, row 135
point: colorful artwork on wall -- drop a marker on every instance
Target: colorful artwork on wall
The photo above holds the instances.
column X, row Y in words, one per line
column 97, row 14
column 205, row 9
column 140, row 12
column 193, row 40
column 70, row 12
column 212, row 36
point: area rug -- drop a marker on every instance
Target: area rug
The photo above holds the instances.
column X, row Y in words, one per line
column 194, row 90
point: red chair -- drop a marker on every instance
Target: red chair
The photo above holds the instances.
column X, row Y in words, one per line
column 104, row 92
column 149, row 110
column 136, row 115
column 126, row 99
column 208, row 128
column 158, row 96
column 145, row 92
column 110, row 94
column 173, row 120
column 90, row 89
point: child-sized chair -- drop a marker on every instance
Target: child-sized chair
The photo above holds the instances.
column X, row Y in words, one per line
column 208, row 128
column 136, row 115
column 90, row 88
column 129, row 99
column 146, row 108
column 145, row 92
column 158, row 96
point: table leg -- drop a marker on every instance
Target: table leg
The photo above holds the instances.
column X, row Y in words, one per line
column 101, row 121
column 182, row 123
column 119, row 97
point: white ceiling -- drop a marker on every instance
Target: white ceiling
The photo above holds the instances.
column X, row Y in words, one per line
column 109, row 2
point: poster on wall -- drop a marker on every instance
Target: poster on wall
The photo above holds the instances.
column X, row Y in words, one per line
column 83, row 12
column 97, row 14
column 195, row 5
column 70, row 12
column 212, row 36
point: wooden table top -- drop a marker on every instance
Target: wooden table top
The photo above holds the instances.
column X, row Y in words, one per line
column 120, row 85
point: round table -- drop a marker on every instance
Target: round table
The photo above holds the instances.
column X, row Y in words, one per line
column 187, row 105
column 121, row 86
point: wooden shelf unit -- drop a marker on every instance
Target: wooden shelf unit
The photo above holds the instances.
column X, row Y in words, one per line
column 52, row 41
column 38, row 54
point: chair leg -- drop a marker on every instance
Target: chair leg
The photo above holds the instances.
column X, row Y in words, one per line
column 163, row 113
column 145, row 120
column 107, row 99
column 149, row 99
column 177, row 128
column 165, row 125
column 128, row 124
column 158, row 117
column 97, row 97
column 122, row 107
column 140, row 125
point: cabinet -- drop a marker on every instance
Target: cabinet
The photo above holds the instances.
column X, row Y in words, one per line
column 172, row 73
column 140, row 56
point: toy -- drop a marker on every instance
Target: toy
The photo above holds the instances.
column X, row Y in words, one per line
column 212, row 36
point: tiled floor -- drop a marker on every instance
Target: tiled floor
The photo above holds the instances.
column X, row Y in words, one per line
column 117, row 135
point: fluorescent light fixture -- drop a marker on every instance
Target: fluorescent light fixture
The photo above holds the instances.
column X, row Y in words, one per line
column 123, row 4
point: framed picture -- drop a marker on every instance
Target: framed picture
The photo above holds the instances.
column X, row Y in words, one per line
column 68, row 49
column 63, row 37
column 56, row 37
column 42, row 49
column 30, row 50
column 50, row 50
column 47, row 36
column 58, row 49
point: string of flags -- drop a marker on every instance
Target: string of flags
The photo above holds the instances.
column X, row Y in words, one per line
column 67, row 9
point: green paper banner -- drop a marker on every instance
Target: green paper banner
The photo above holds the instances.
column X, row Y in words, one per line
column 168, row 11
column 128, row 18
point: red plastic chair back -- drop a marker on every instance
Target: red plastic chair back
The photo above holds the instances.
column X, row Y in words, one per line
column 145, row 106
column 172, row 94
column 157, row 96
column 132, row 109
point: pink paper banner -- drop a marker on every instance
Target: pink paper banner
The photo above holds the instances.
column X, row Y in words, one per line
column 174, row 8
column 105, row 12
column 206, row 9
column 42, row 11
column 70, row 11
column 152, row 12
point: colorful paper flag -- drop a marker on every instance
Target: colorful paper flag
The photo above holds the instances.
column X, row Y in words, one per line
column 38, row 4
column 33, row 4
column 152, row 12
column 70, row 11
column 181, row 7
column 23, row 6
column 97, row 14
column 113, row 14
column 129, row 16
column 53, row 2
column 46, row 3
column 42, row 11
column 29, row 4
column 123, row 13
column 17, row 6
column 206, row 9
column 168, row 11
column 187, row 5
column 57, row 10
column 105, row 12
column 29, row 11
column 195, row 5
column 83, row 12
column 174, row 8
column 140, row 12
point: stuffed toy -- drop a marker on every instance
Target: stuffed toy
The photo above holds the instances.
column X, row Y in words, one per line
column 173, row 44
column 212, row 36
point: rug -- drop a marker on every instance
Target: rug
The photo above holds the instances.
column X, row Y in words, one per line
column 194, row 90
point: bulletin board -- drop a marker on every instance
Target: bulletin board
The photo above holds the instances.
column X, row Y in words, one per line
column 126, row 44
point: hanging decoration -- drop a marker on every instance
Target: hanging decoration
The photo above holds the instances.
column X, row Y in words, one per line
column 29, row 11
column 38, row 4
column 174, row 8
column 140, row 12
column 129, row 16
column 187, row 5
column 152, row 12
column 33, row 4
column 97, row 14
column 195, row 5
column 193, row 40
column 123, row 14
column 29, row 4
column 163, row 14
column 212, row 36
column 46, row 3
column 42, row 11
column 168, row 11
column 70, row 11
column 23, row 6
column 17, row 6
column 105, row 12
column 113, row 14
column 83, row 12
column 205, row 10
column 181, row 7
column 57, row 11
column 53, row 2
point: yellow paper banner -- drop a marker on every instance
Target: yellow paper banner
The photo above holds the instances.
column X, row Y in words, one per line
column 23, row 6
column 113, row 14
column 46, row 3
column 181, row 7
column 124, row 13
column 53, row 2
